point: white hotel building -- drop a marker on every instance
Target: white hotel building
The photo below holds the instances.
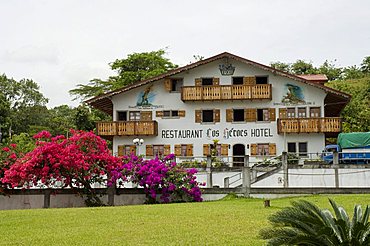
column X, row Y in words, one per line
column 250, row 108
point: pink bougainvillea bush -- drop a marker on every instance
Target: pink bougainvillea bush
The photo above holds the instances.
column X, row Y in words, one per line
column 8, row 156
column 75, row 162
column 161, row 178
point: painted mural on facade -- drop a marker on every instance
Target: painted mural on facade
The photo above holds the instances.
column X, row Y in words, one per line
column 146, row 97
column 294, row 95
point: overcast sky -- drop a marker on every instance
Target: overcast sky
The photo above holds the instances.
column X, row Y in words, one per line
column 60, row 44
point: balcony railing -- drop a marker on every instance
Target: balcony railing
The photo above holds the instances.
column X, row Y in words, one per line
column 310, row 125
column 225, row 92
column 127, row 128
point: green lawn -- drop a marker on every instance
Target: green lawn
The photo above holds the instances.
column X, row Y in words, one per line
column 227, row 222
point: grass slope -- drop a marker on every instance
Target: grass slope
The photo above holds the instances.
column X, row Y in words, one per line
column 227, row 222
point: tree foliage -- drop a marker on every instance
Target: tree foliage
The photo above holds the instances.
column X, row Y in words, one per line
column 356, row 115
column 306, row 224
column 136, row 67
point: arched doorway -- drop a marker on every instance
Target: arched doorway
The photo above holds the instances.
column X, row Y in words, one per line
column 238, row 154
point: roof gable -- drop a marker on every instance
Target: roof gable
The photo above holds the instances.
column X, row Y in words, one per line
column 104, row 103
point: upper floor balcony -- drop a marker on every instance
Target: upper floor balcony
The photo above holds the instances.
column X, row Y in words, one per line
column 127, row 128
column 226, row 92
column 310, row 125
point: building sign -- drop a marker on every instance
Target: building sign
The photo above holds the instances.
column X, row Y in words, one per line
column 211, row 133
column 226, row 68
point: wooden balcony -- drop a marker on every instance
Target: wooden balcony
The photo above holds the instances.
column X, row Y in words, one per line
column 127, row 128
column 310, row 125
column 225, row 92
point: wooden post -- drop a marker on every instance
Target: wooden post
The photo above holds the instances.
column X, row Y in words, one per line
column 336, row 166
column 284, row 159
column 246, row 172
column 209, row 172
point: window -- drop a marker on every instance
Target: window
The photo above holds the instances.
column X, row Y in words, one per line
column 263, row 114
column 290, row 112
column 261, row 80
column 158, row 150
column 176, row 85
column 238, row 115
column 207, row 116
column 302, row 113
column 315, row 112
column 134, row 115
column 214, row 150
column 263, row 149
column 124, row 150
column 171, row 113
column 207, row 81
column 302, row 148
column 237, row 80
column 183, row 149
column 292, row 148
column 121, row 115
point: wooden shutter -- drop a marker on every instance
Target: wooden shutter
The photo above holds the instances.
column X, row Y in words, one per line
column 189, row 150
column 120, row 150
column 149, row 150
column 167, row 84
column 198, row 82
column 224, row 149
column 167, row 149
column 133, row 149
column 250, row 114
column 158, row 113
column 272, row 149
column 181, row 113
column 229, row 115
column 216, row 113
column 253, row 149
column 206, row 149
column 216, row 81
column 272, row 114
column 177, row 149
column 198, row 116
column 249, row 80
column 282, row 113
column 146, row 115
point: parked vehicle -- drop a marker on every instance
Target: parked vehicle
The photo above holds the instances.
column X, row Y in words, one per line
column 353, row 148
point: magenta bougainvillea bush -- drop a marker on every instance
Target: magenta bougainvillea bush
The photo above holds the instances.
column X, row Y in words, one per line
column 84, row 159
column 162, row 179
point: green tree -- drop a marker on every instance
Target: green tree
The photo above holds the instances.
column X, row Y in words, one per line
column 365, row 65
column 356, row 115
column 136, row 67
column 285, row 67
column 330, row 70
column 302, row 67
column 61, row 120
column 306, row 224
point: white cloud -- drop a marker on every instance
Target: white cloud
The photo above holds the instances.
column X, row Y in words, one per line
column 33, row 54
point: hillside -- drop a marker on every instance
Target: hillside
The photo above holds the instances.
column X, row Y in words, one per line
column 356, row 115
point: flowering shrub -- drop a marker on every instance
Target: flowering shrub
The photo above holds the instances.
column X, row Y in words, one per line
column 8, row 156
column 163, row 178
column 76, row 162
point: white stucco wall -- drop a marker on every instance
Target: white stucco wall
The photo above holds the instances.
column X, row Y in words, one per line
column 172, row 101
